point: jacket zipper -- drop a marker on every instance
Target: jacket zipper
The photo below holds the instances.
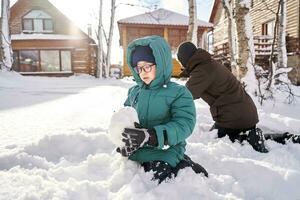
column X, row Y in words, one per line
column 147, row 112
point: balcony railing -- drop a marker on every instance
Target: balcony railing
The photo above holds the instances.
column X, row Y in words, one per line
column 262, row 46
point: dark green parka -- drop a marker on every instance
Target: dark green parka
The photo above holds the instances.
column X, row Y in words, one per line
column 163, row 105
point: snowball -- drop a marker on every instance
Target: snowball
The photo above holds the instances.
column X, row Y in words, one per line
column 124, row 118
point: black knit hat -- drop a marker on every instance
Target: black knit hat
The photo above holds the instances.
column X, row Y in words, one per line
column 142, row 53
column 185, row 52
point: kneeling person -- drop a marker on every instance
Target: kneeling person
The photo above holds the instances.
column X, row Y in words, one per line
column 232, row 109
column 166, row 112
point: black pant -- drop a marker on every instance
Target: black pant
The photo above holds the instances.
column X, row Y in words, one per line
column 237, row 134
column 233, row 134
column 283, row 138
column 163, row 170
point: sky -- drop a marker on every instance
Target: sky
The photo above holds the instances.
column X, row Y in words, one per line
column 83, row 13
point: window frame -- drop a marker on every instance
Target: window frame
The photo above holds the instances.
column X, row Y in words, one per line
column 17, row 52
column 44, row 25
column 23, row 25
column 37, row 18
column 265, row 27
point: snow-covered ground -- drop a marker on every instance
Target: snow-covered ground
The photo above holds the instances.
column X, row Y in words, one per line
column 54, row 145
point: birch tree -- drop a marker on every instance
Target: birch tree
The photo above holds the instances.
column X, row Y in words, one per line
column 279, row 79
column 231, row 34
column 104, row 56
column 272, row 67
column 6, row 50
column 244, row 35
column 193, row 25
column 100, row 62
column 110, row 36
column 282, row 53
column 279, row 36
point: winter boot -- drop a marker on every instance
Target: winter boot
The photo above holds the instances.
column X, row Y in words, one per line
column 187, row 162
column 281, row 138
column 296, row 138
column 195, row 166
column 161, row 170
column 256, row 140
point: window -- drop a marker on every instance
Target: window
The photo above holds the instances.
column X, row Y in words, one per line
column 268, row 28
column 42, row 60
column 48, row 26
column 37, row 21
column 28, row 60
column 210, row 42
column 66, row 61
column 50, row 61
column 27, row 24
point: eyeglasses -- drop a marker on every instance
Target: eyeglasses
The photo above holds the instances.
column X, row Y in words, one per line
column 147, row 68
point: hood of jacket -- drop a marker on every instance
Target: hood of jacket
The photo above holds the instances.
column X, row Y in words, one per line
column 163, row 58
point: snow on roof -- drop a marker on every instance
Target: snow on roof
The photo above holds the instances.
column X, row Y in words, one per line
column 40, row 36
column 162, row 17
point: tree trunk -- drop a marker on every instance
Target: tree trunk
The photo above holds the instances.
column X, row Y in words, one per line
column 282, row 54
column 110, row 36
column 242, row 40
column 6, row 50
column 193, row 25
column 272, row 67
column 231, row 35
column 100, row 44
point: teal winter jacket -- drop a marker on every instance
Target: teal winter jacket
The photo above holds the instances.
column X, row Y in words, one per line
column 163, row 105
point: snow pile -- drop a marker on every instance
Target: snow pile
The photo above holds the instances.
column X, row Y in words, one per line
column 124, row 118
column 54, row 144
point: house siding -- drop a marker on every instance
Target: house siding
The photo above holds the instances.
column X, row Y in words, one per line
column 292, row 26
column 220, row 26
column 259, row 15
column 263, row 11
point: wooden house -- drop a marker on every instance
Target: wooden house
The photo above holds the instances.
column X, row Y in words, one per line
column 168, row 24
column 45, row 42
column 263, row 21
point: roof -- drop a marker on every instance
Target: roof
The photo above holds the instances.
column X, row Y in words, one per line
column 162, row 17
column 45, row 37
column 47, row 5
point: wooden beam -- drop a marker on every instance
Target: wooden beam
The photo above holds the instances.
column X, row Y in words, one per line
column 124, row 39
column 204, row 39
column 299, row 20
column 89, row 60
column 166, row 34
column 126, row 70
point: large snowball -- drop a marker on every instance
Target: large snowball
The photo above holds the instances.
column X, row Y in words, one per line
column 124, row 118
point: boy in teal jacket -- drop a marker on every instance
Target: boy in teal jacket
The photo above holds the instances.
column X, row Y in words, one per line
column 166, row 111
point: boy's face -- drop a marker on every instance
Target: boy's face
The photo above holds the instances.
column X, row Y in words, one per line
column 147, row 71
